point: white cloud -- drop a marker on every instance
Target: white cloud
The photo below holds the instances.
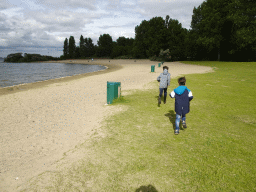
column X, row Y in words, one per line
column 4, row 4
column 70, row 4
column 129, row 2
column 175, row 9
column 49, row 22
column 14, row 11
column 28, row 4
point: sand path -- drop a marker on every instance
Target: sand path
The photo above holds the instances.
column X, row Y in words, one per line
column 41, row 122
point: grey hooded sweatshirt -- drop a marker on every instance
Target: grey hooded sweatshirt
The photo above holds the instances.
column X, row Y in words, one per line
column 164, row 78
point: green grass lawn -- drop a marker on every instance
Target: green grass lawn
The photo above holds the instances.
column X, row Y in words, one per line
column 217, row 151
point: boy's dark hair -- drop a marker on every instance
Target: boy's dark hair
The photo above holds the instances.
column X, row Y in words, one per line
column 182, row 80
column 165, row 67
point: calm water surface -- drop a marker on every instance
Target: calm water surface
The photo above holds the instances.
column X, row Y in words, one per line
column 20, row 73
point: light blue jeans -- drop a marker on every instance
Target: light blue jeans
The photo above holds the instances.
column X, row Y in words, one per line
column 177, row 121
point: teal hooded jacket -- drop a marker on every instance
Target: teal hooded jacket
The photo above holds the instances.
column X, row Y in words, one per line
column 182, row 97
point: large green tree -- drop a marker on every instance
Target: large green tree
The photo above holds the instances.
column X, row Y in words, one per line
column 105, row 45
column 242, row 15
column 122, row 46
column 77, row 52
column 205, row 33
column 150, row 37
column 176, row 36
column 72, row 47
column 129, row 46
column 224, row 28
column 117, row 50
column 65, row 49
column 89, row 47
column 82, row 46
column 139, row 46
column 156, row 34
column 122, row 41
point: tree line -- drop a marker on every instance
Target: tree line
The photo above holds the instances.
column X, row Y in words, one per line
column 105, row 47
column 223, row 30
column 17, row 57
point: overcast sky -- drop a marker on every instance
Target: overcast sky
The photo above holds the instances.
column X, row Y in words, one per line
column 41, row 26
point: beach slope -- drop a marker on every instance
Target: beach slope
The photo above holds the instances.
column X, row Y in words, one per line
column 42, row 122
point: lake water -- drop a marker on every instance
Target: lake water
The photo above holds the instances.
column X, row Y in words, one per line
column 20, row 73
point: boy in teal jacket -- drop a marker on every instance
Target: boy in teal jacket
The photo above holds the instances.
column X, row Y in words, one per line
column 182, row 96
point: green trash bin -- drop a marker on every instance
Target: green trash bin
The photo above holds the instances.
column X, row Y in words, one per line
column 113, row 91
column 159, row 64
column 110, row 92
column 152, row 68
column 117, row 90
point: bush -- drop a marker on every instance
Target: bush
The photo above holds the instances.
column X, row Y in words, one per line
column 21, row 60
column 165, row 55
column 62, row 57
column 155, row 58
column 124, row 57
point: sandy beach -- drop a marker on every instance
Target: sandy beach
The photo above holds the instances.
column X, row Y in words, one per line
column 42, row 122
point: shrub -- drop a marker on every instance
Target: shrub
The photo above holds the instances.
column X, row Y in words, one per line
column 155, row 58
column 124, row 57
column 165, row 55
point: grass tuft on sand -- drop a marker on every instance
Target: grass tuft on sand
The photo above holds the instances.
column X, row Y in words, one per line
column 216, row 152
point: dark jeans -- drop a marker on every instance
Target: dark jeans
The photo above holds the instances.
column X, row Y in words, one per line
column 161, row 92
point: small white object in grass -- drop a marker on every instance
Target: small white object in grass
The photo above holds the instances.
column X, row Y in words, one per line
column 17, row 178
column 106, row 104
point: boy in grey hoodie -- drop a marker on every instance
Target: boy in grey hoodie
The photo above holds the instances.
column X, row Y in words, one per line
column 164, row 79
